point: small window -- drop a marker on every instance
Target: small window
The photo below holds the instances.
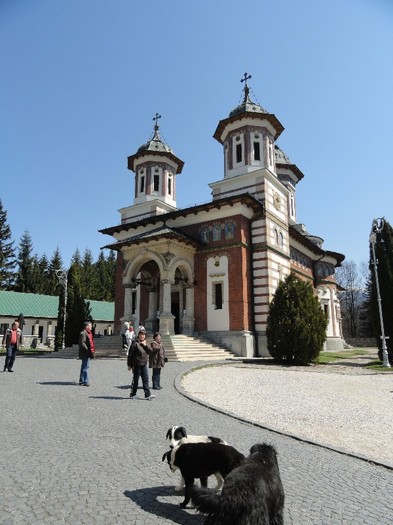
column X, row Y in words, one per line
column 238, row 152
column 142, row 185
column 156, row 183
column 217, row 295
column 169, row 185
column 326, row 310
column 257, row 151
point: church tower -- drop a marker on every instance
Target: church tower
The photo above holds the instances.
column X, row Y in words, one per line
column 248, row 138
column 155, row 167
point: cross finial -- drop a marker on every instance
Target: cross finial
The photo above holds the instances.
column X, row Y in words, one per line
column 155, row 118
column 246, row 77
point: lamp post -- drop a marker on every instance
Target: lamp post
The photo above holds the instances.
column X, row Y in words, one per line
column 63, row 279
column 376, row 228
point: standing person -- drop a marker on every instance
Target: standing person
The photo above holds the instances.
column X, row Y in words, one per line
column 12, row 340
column 86, row 352
column 137, row 362
column 157, row 360
column 128, row 336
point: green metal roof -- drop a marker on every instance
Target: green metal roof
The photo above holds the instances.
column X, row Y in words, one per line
column 35, row 305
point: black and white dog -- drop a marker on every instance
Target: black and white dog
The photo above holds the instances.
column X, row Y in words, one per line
column 252, row 493
column 201, row 460
column 178, row 436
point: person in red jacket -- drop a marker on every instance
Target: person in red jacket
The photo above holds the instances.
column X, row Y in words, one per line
column 12, row 340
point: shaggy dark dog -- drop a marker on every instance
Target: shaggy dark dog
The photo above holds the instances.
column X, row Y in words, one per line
column 178, row 435
column 201, row 460
column 252, row 493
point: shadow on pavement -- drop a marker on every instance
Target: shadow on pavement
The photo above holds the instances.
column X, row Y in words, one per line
column 62, row 383
column 109, row 397
column 147, row 500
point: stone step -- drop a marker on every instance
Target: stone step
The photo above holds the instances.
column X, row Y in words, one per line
column 177, row 347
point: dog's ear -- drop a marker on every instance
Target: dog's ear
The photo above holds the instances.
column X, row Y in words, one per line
column 166, row 455
column 168, row 434
column 181, row 431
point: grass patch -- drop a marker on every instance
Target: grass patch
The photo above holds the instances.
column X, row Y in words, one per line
column 328, row 357
column 377, row 366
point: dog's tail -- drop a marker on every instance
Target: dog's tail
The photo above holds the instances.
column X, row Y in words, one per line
column 205, row 500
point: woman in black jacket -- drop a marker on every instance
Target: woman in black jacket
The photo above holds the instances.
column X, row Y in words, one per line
column 137, row 361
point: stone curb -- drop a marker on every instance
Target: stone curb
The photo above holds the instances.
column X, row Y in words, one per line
column 184, row 393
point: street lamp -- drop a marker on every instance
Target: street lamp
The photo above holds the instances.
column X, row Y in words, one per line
column 63, row 279
column 376, row 228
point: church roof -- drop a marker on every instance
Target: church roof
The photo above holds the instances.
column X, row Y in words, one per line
column 244, row 198
column 305, row 240
column 283, row 161
column 248, row 109
column 163, row 232
column 155, row 146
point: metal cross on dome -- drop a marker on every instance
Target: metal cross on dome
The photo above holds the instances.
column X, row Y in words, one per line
column 246, row 88
column 246, row 77
column 155, row 118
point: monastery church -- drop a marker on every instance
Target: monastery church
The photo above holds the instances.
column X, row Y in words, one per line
column 212, row 269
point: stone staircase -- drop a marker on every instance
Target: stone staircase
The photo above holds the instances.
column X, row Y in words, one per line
column 177, row 347
column 193, row 348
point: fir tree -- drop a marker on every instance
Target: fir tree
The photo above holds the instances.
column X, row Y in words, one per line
column 78, row 310
column 296, row 324
column 89, row 279
column 106, row 276
column 7, row 253
column 55, row 264
column 24, row 281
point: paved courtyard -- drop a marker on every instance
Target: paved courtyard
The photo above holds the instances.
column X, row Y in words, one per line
column 75, row 455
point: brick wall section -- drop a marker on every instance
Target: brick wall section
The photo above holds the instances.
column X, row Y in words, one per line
column 240, row 306
column 200, row 305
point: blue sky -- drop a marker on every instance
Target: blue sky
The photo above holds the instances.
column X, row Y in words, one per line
column 82, row 80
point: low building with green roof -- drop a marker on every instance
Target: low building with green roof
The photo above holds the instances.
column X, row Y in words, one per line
column 40, row 315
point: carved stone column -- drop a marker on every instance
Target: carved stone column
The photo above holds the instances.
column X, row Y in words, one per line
column 167, row 319
column 188, row 317
column 127, row 302
column 151, row 321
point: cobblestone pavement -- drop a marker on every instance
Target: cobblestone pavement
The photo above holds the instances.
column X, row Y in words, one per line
column 75, row 455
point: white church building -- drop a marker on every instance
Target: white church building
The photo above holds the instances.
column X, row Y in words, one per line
column 213, row 269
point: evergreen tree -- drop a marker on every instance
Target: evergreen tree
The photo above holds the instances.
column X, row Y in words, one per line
column 24, row 281
column 78, row 310
column 296, row 324
column 106, row 276
column 89, row 279
column 384, row 258
column 55, row 264
column 7, row 253
column 76, row 258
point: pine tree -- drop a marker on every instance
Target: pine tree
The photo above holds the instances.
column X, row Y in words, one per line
column 7, row 253
column 384, row 258
column 24, row 281
column 89, row 279
column 55, row 264
column 78, row 310
column 296, row 324
column 106, row 273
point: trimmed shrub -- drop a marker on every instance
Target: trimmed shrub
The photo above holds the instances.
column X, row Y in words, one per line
column 296, row 324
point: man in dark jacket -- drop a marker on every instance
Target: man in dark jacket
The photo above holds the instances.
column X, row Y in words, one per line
column 86, row 352
column 12, row 341
column 137, row 359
